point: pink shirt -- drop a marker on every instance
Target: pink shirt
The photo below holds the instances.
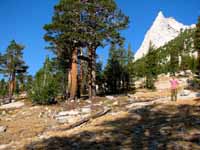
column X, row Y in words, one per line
column 174, row 83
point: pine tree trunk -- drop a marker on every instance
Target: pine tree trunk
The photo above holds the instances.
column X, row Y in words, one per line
column 11, row 86
column 92, row 73
column 69, row 83
column 81, row 78
column 74, row 73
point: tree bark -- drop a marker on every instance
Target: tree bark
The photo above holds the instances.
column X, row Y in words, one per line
column 69, row 82
column 11, row 86
column 74, row 73
column 81, row 78
column 92, row 73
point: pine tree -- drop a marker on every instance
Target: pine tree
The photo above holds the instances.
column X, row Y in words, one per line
column 130, row 66
column 78, row 24
column 197, row 43
column 65, row 36
column 12, row 65
column 103, row 20
column 174, row 59
column 151, row 67
column 115, row 71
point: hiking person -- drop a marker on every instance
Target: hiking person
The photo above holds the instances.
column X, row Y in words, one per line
column 174, row 87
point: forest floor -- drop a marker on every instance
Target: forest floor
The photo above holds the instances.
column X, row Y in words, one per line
column 144, row 120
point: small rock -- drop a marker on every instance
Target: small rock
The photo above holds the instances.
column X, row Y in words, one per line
column 110, row 97
column 4, row 112
column 100, row 103
column 23, row 95
column 185, row 93
column 12, row 105
column 147, row 133
column 165, row 130
column 86, row 110
column 4, row 146
column 130, row 95
column 66, row 119
column 3, row 129
column 89, row 101
column 189, row 72
column 8, row 119
column 115, row 103
column 41, row 114
column 68, row 113
column 43, row 137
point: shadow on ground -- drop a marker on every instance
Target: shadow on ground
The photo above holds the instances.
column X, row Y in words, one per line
column 150, row 128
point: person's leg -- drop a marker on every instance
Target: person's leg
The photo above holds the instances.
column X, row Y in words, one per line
column 175, row 94
column 172, row 94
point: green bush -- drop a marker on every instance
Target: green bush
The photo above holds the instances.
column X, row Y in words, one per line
column 44, row 87
column 43, row 94
column 3, row 88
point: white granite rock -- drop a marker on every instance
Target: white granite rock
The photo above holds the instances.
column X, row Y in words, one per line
column 3, row 129
column 162, row 31
column 12, row 105
column 185, row 93
column 86, row 110
column 68, row 113
column 4, row 146
column 110, row 97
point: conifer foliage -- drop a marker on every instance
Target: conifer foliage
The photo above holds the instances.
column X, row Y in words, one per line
column 13, row 66
column 119, row 71
column 44, row 87
column 86, row 24
column 151, row 64
column 197, row 42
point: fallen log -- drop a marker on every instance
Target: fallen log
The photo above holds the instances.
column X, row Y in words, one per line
column 86, row 119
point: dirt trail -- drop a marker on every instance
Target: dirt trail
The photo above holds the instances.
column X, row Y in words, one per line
column 155, row 124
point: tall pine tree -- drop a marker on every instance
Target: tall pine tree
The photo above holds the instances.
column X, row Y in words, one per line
column 12, row 65
column 151, row 67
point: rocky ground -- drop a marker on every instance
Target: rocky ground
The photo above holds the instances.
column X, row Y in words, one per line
column 144, row 120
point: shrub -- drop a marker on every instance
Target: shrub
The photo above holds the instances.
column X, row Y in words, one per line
column 44, row 87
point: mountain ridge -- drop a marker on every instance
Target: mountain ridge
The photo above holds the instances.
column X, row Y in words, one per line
column 163, row 30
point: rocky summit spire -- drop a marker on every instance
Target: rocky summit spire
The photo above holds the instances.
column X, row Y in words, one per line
column 162, row 31
column 160, row 15
column 160, row 18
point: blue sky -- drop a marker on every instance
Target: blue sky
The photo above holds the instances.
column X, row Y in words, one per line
column 23, row 21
